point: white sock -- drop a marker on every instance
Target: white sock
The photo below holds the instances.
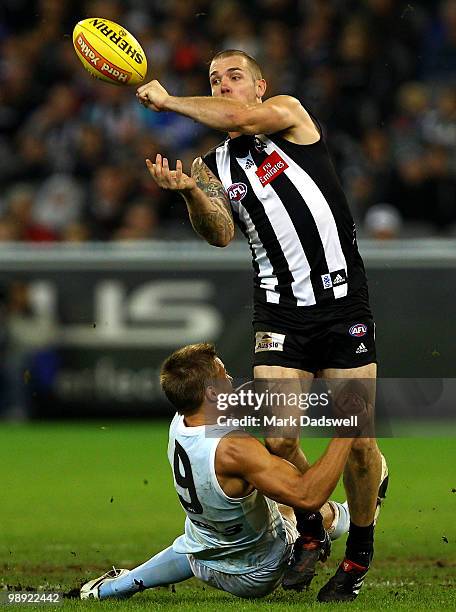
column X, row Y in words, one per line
column 341, row 522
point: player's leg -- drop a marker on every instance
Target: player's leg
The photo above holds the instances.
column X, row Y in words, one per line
column 316, row 532
column 364, row 474
column 286, row 447
column 364, row 464
column 166, row 567
column 336, row 517
column 313, row 540
column 259, row 582
column 314, row 543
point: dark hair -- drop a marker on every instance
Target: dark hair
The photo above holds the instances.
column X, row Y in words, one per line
column 253, row 64
column 185, row 374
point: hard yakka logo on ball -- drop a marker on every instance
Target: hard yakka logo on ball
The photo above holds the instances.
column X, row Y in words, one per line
column 101, row 64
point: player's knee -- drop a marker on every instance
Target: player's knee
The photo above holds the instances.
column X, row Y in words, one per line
column 351, row 398
column 282, row 447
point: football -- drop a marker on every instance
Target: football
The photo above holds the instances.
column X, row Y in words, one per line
column 108, row 52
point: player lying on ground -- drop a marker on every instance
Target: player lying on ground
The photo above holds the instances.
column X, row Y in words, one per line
column 274, row 178
column 237, row 538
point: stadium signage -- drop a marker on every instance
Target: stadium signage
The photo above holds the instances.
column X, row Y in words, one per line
column 163, row 313
column 111, row 331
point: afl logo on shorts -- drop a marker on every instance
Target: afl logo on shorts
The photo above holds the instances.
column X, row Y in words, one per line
column 358, row 331
column 237, row 191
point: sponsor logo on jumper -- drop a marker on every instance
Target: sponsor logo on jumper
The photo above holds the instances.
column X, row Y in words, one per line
column 358, row 330
column 361, row 349
column 249, row 163
column 339, row 277
column 270, row 169
column 117, row 39
column 334, row 279
column 327, row 282
column 268, row 341
column 107, row 68
column 237, row 191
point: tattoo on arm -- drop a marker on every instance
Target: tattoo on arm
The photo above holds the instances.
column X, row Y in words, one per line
column 212, row 227
column 216, row 225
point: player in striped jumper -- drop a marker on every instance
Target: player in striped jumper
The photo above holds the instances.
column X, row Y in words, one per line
column 274, row 178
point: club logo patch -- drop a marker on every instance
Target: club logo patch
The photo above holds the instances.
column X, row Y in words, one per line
column 237, row 192
column 358, row 330
column 268, row 341
column 271, row 168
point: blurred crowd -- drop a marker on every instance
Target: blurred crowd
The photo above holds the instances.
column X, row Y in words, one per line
column 379, row 74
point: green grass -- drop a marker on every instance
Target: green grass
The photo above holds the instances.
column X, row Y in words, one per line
column 78, row 498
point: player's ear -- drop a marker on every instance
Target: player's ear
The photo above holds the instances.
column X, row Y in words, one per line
column 260, row 88
column 211, row 393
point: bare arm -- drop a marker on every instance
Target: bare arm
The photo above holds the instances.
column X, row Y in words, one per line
column 278, row 479
column 207, row 203
column 279, row 113
column 227, row 115
column 208, row 206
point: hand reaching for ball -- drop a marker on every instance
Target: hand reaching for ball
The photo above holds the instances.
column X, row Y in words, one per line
column 175, row 180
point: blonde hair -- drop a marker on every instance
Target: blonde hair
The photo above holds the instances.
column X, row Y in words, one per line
column 185, row 375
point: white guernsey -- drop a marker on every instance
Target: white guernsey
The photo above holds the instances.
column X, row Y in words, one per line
column 239, row 534
column 231, row 535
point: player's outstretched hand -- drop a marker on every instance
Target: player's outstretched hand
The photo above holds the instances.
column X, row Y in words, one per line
column 165, row 178
column 153, row 96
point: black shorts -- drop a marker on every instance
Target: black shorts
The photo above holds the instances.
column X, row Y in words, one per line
column 339, row 336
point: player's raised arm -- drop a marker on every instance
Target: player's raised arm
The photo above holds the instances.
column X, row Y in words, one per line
column 279, row 113
column 207, row 202
column 278, row 479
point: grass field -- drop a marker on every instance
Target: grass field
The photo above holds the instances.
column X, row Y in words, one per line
column 78, row 498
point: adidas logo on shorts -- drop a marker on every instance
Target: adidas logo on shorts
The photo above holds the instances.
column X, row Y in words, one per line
column 361, row 348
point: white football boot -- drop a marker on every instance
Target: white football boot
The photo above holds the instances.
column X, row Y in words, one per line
column 90, row 589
